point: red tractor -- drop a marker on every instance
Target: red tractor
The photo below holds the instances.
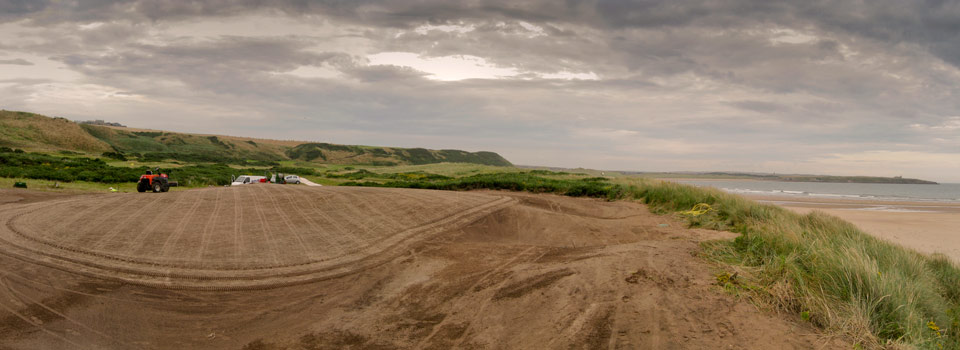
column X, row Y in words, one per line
column 155, row 181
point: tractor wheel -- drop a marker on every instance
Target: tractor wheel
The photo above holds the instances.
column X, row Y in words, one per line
column 165, row 188
column 142, row 186
column 157, row 186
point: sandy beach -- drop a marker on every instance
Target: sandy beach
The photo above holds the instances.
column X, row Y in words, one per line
column 928, row 227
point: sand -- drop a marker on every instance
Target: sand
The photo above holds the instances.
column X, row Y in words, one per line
column 364, row 268
column 928, row 227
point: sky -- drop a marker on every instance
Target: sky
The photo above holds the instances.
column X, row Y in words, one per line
column 813, row 86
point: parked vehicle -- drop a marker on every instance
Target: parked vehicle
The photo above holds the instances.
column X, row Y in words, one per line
column 292, row 179
column 248, row 179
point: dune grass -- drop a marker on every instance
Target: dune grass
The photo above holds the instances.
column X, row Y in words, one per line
column 825, row 269
column 816, row 266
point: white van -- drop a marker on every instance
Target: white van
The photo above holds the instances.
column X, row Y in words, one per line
column 248, row 179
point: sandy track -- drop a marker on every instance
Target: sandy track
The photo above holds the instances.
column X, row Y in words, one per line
column 190, row 239
column 517, row 271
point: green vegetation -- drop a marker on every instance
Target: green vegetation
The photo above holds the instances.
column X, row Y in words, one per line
column 504, row 181
column 41, row 166
column 35, row 132
column 148, row 146
column 842, row 278
column 25, row 165
column 383, row 156
column 38, row 133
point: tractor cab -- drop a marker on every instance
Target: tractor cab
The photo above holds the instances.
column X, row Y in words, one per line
column 155, row 181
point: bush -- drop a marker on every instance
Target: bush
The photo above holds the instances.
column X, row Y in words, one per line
column 114, row 155
column 41, row 166
column 506, row 181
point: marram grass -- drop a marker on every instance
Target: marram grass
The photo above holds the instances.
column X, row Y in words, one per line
column 825, row 269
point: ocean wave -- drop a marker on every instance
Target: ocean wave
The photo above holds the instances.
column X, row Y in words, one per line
column 890, row 209
column 865, row 197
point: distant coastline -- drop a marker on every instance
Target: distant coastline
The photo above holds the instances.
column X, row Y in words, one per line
column 787, row 178
column 728, row 175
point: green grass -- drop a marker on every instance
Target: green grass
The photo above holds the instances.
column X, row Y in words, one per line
column 844, row 280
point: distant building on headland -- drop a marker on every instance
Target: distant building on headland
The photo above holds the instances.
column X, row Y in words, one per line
column 101, row 122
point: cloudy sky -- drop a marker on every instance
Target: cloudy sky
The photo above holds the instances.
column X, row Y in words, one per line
column 835, row 87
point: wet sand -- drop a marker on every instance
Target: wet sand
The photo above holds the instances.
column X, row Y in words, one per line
column 928, row 227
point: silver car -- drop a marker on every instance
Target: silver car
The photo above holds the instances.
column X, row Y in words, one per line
column 291, row 179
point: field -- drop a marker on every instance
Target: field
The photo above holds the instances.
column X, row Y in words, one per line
column 353, row 267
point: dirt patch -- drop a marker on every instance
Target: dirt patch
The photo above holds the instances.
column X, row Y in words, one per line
column 597, row 332
column 26, row 196
column 529, row 284
column 532, row 272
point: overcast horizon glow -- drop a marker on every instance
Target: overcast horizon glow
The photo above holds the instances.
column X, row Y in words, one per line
column 833, row 87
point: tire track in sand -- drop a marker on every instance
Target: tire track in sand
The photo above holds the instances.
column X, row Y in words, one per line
column 24, row 298
column 318, row 231
column 204, row 242
column 138, row 243
column 181, row 227
column 33, row 321
column 115, row 230
column 71, row 220
column 265, row 228
column 237, row 225
column 291, row 228
column 86, row 236
column 479, row 310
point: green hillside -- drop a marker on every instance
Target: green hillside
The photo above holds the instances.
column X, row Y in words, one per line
column 34, row 132
column 38, row 133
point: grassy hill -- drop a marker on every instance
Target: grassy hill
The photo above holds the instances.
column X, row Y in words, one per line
column 38, row 133
column 34, row 132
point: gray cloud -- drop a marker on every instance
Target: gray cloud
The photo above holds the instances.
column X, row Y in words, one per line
column 17, row 62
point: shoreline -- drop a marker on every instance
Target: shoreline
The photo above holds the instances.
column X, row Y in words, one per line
column 923, row 226
column 858, row 204
column 833, row 193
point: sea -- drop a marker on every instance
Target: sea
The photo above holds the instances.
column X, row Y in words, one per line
column 944, row 193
